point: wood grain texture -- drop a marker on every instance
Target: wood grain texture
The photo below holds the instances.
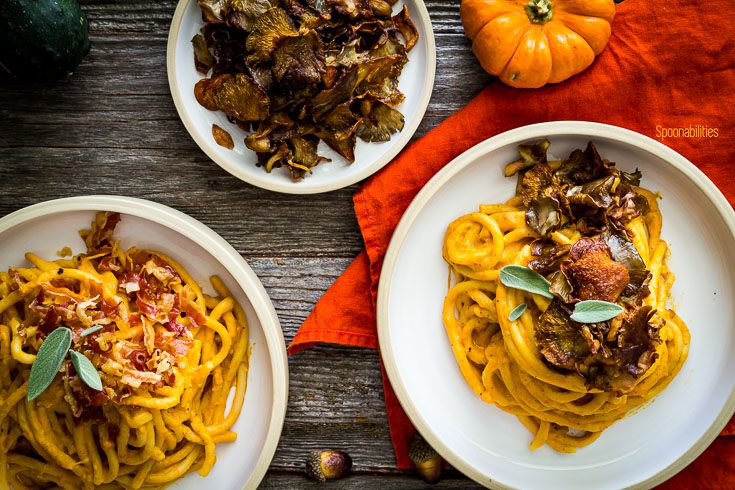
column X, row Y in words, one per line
column 112, row 129
column 359, row 481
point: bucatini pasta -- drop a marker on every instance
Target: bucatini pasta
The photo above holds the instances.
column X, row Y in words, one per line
column 168, row 356
column 587, row 233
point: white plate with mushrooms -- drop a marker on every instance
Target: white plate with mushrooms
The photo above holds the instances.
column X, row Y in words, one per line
column 416, row 82
column 650, row 444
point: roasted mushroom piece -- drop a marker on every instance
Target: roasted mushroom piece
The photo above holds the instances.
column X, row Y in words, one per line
column 298, row 72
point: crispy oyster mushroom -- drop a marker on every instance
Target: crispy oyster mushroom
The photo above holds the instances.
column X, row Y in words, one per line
column 293, row 73
column 582, row 189
column 599, row 200
column 559, row 338
column 238, row 96
column 610, row 355
column 222, row 137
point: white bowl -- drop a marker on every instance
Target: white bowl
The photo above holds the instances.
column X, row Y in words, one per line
column 47, row 227
column 491, row 446
column 416, row 82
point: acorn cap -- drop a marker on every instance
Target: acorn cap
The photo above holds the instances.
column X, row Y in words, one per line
column 419, row 450
column 428, row 462
column 328, row 465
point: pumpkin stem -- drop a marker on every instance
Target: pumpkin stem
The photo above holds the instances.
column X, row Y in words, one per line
column 539, row 11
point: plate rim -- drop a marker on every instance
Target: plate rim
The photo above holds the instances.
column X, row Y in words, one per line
column 402, row 139
column 221, row 251
column 550, row 129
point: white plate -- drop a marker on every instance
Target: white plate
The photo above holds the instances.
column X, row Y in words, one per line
column 49, row 226
column 491, row 446
column 416, row 82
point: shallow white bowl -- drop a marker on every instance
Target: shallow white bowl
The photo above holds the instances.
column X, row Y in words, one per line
column 491, row 446
column 47, row 227
column 416, row 82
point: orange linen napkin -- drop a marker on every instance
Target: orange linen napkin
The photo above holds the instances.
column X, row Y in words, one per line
column 668, row 65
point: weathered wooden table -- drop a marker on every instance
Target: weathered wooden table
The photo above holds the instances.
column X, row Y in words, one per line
column 112, row 129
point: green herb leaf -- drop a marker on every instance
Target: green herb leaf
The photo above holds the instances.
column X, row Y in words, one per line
column 517, row 312
column 48, row 361
column 86, row 370
column 90, row 330
column 594, row 311
column 519, row 277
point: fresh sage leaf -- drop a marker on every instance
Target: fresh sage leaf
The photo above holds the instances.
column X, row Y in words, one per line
column 594, row 311
column 86, row 370
column 90, row 330
column 517, row 312
column 48, row 361
column 523, row 278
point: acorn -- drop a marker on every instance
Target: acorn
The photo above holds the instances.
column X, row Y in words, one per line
column 328, row 465
column 428, row 462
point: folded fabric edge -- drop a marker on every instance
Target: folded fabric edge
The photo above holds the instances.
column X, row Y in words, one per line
column 316, row 336
column 344, row 314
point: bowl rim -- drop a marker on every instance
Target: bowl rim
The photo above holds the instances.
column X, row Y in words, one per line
column 304, row 187
column 550, row 130
column 221, row 251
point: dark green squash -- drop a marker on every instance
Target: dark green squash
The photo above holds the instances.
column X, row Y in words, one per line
column 42, row 39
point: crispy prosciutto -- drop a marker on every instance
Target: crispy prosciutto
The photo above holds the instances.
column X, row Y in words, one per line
column 129, row 282
column 102, row 230
column 145, row 326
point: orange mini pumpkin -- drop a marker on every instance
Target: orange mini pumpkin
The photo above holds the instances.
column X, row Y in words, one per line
column 529, row 43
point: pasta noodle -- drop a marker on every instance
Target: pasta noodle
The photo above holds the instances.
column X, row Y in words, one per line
column 169, row 356
column 507, row 362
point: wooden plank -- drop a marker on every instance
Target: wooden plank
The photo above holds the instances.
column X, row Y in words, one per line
column 406, row 480
column 295, row 285
column 336, row 393
column 257, row 223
